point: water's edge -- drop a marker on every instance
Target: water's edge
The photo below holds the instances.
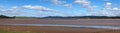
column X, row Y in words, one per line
column 77, row 26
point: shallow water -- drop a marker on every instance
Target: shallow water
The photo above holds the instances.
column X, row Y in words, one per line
column 76, row 26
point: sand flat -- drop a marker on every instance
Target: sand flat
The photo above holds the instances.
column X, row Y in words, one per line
column 54, row 29
column 110, row 22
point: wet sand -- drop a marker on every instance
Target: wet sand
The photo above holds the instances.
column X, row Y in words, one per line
column 74, row 26
column 54, row 29
column 109, row 22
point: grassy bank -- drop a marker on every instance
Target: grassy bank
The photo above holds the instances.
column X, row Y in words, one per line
column 5, row 31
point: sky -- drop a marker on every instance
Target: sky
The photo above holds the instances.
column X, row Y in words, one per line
column 43, row 8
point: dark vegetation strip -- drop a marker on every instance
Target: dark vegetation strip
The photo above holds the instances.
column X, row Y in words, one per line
column 5, row 31
column 69, row 17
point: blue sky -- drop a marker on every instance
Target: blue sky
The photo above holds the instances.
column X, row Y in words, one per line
column 42, row 8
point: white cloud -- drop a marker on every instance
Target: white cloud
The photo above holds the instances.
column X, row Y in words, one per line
column 82, row 2
column 12, row 11
column 108, row 10
column 68, row 5
column 108, row 3
column 38, row 8
column 116, row 9
column 61, row 3
column 57, row 2
column 85, row 4
column 15, row 11
column 108, row 6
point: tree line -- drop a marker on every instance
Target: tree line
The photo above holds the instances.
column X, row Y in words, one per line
column 3, row 16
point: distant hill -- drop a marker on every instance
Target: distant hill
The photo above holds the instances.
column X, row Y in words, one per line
column 3, row 16
column 82, row 17
column 60, row 17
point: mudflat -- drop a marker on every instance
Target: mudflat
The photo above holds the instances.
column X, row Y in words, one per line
column 54, row 29
column 110, row 22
